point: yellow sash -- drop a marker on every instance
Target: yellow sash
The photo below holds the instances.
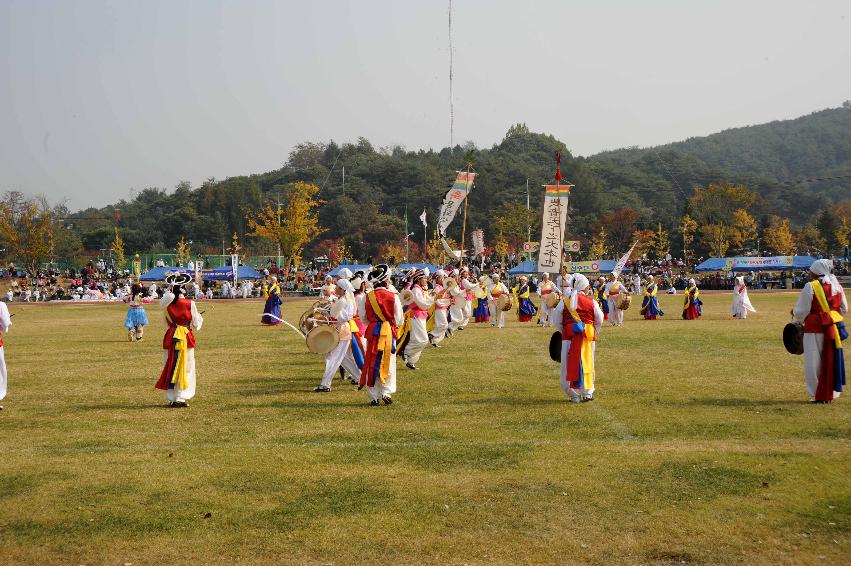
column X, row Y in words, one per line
column 180, row 345
column 586, row 352
column 691, row 294
column 818, row 291
column 385, row 338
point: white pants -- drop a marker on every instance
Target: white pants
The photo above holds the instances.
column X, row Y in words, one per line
column 573, row 394
column 545, row 313
column 468, row 312
column 339, row 356
column 3, row 378
column 417, row 340
column 615, row 314
column 497, row 314
column 188, row 393
column 457, row 312
column 813, row 346
column 438, row 333
column 380, row 390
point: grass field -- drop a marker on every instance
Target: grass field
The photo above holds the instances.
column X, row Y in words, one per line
column 700, row 448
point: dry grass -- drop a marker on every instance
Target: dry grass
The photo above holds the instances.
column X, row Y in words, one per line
column 700, row 448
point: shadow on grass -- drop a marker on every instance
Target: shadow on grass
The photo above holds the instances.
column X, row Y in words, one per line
column 738, row 402
column 115, row 406
column 525, row 402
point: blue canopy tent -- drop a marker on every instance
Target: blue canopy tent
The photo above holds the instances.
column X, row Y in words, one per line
column 524, row 268
column 775, row 263
column 226, row 273
column 405, row 266
column 354, row 267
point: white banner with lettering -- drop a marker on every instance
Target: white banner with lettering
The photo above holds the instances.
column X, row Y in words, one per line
column 453, row 199
column 552, row 229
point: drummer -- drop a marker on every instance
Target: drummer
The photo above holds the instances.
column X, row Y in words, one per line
column 497, row 296
column 342, row 355
column 546, row 288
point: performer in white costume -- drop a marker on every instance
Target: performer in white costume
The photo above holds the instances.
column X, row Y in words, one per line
column 458, row 296
column 441, row 307
column 343, row 311
column 741, row 302
column 418, row 309
column 5, row 323
column 494, row 292
column 614, row 289
column 636, row 285
column 181, row 316
column 470, row 285
column 545, row 288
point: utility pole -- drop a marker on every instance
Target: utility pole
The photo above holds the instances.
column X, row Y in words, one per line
column 407, row 234
column 528, row 226
column 278, row 261
column 344, row 180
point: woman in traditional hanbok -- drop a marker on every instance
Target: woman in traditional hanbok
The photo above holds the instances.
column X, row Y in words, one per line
column 691, row 303
column 272, row 308
column 650, row 304
column 601, row 297
column 481, row 311
column 741, row 302
column 181, row 316
column 526, row 309
column 136, row 318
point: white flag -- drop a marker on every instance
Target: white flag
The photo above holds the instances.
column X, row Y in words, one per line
column 453, row 199
column 552, row 228
column 423, row 218
column 622, row 261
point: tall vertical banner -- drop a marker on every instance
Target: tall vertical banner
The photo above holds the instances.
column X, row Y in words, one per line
column 234, row 261
column 453, row 199
column 552, row 230
column 137, row 266
column 478, row 238
column 199, row 265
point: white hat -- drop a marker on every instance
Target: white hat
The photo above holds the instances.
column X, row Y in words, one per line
column 345, row 273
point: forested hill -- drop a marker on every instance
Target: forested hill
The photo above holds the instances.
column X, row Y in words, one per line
column 774, row 156
column 380, row 184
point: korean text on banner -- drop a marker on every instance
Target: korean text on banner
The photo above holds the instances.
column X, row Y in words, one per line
column 552, row 230
column 234, row 261
column 453, row 199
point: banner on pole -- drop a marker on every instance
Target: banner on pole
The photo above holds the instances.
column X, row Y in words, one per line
column 423, row 218
column 622, row 261
column 552, row 230
column 137, row 267
column 234, row 262
column 199, row 265
column 478, row 242
column 453, row 199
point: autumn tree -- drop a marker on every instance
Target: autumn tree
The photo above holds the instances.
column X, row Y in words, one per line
column 598, row 244
column 809, row 240
column 688, row 228
column 514, row 221
column 661, row 242
column 644, row 241
column 500, row 247
column 778, row 236
column 721, row 212
column 619, row 226
column 118, row 250
column 27, row 229
column 292, row 225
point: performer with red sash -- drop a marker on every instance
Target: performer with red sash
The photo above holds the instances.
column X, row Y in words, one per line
column 5, row 323
column 418, row 310
column 691, row 303
column 821, row 307
column 382, row 311
column 181, row 316
column 580, row 321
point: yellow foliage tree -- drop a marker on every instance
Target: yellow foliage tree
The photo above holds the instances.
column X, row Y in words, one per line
column 717, row 238
column 743, row 229
column 842, row 232
column 500, row 247
column 645, row 240
column 26, row 229
column 778, row 236
column 720, row 210
column 184, row 253
column 291, row 226
column 661, row 242
column 688, row 228
column 598, row 244
column 118, row 250
column 809, row 240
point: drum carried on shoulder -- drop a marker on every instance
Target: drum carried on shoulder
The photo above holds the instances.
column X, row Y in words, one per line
column 317, row 325
column 505, row 302
column 625, row 301
column 552, row 299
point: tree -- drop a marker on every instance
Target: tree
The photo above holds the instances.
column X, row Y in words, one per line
column 292, row 226
column 514, row 221
column 717, row 238
column 644, row 241
column 661, row 243
column 743, row 228
column 184, row 253
column 598, row 245
column 721, row 211
column 500, row 247
column 809, row 240
column 619, row 225
column 688, row 227
column 778, row 236
column 118, row 250
column 26, row 229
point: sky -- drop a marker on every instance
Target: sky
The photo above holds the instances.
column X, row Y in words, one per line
column 101, row 98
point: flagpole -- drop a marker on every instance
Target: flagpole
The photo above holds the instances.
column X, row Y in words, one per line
column 561, row 233
column 425, row 239
column 464, row 225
